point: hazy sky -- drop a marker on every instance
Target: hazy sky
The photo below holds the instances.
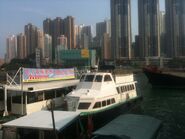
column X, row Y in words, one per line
column 14, row 14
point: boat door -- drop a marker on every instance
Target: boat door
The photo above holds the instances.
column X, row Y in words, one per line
column 122, row 93
column 72, row 104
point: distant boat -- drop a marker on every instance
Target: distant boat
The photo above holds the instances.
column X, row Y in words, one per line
column 159, row 78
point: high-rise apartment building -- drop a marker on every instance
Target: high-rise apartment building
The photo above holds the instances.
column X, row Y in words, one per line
column 58, row 30
column 86, row 37
column 78, row 35
column 103, row 27
column 58, row 27
column 162, row 33
column 40, row 43
column 61, row 45
column 108, row 26
column 121, row 29
column 106, row 50
column 100, row 29
column 62, row 42
column 69, row 32
column 48, row 26
column 11, row 48
column 175, row 28
column 54, row 28
column 31, row 38
column 21, row 46
column 103, row 33
column 48, row 48
column 149, row 32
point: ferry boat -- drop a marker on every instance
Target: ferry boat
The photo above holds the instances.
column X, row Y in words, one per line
column 99, row 94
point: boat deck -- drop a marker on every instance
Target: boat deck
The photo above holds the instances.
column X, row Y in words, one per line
column 175, row 73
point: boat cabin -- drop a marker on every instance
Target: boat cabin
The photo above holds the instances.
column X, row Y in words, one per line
column 31, row 97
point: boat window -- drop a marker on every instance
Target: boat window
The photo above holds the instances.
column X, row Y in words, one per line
column 128, row 88
column 118, row 90
column 122, row 89
column 60, row 92
column 108, row 102
column 98, row 78
column 17, row 98
column 97, row 105
column 125, row 88
column 107, row 78
column 49, row 95
column 89, row 78
column 132, row 86
column 84, row 105
column 82, row 78
column 112, row 100
column 1, row 95
column 103, row 103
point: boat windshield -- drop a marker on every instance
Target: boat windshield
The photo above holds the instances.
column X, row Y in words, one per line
column 89, row 78
column 82, row 78
column 98, row 78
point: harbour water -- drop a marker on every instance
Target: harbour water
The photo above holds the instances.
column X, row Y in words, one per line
column 167, row 105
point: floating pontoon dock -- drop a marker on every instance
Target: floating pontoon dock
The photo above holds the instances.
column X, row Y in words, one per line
column 40, row 123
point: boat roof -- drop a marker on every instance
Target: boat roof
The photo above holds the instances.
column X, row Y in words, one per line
column 42, row 120
column 94, row 73
column 130, row 126
column 103, row 73
column 41, row 86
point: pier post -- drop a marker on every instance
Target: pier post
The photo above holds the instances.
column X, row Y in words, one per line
column 5, row 102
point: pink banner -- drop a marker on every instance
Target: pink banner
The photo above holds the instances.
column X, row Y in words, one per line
column 37, row 75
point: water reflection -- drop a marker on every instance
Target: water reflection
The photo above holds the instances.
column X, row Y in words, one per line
column 167, row 105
